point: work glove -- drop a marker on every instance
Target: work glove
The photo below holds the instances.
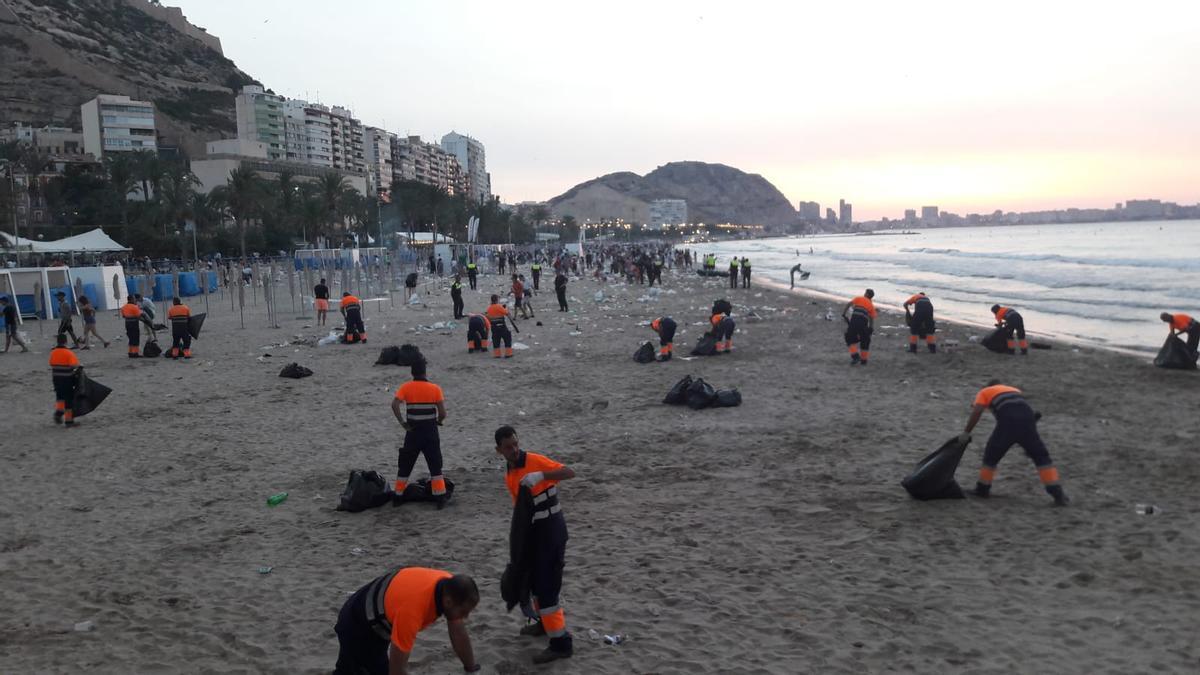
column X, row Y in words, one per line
column 532, row 478
column 964, row 437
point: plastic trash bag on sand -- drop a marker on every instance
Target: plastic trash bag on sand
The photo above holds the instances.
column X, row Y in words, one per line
column 933, row 477
column 645, row 353
column 727, row 398
column 678, row 393
column 332, row 339
column 706, row 346
column 295, row 371
column 599, row 297
column 996, row 341
column 364, row 490
column 700, row 394
column 1175, row 355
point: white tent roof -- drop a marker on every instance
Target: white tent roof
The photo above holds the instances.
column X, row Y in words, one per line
column 425, row 238
column 93, row 241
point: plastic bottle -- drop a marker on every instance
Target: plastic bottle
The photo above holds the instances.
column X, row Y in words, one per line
column 276, row 500
column 593, row 635
column 1146, row 509
column 614, row 639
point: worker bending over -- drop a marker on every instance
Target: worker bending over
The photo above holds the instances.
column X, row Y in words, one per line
column 859, row 326
column 665, row 327
column 920, row 324
column 478, row 327
column 351, row 310
column 1182, row 323
column 1012, row 323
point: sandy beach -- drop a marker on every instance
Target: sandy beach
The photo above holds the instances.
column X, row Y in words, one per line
column 773, row 537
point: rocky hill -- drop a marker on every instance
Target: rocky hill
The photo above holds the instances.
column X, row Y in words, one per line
column 57, row 54
column 715, row 193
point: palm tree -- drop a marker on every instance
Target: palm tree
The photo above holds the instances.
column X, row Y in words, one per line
column 176, row 190
column 436, row 197
column 539, row 215
column 240, row 195
column 311, row 214
column 330, row 186
column 121, row 184
column 287, row 196
column 149, row 171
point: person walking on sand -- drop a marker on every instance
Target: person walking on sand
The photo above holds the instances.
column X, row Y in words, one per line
column 498, row 317
column 64, row 369
column 378, row 624
column 1182, row 323
column 547, row 538
column 420, row 407
column 1012, row 323
column 560, row 290
column 859, row 326
column 920, row 323
column 11, row 318
column 321, row 301
column 1016, row 424
column 88, row 310
column 66, row 325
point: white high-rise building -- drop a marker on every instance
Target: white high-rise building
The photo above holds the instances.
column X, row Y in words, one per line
column 377, row 146
column 667, row 212
column 117, row 124
column 309, row 133
column 473, row 161
column 261, row 118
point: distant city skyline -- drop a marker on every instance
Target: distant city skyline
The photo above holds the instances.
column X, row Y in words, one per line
column 1029, row 106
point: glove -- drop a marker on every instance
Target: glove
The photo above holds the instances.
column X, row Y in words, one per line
column 532, row 478
column 964, row 438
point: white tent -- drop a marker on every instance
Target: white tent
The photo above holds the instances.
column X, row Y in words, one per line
column 95, row 241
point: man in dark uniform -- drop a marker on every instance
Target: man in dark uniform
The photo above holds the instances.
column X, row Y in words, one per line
column 536, row 270
column 745, row 272
column 378, row 625
column 420, row 407
column 499, row 316
column 560, row 290
column 181, row 337
column 472, row 273
column 456, row 296
column 921, row 324
column 64, row 368
column 1012, row 323
column 859, row 326
column 733, row 272
column 351, row 310
column 665, row 327
column 541, row 475
column 1016, row 424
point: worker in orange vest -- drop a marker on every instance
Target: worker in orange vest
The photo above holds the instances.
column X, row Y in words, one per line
column 378, row 625
column 132, row 313
column 548, row 535
column 478, row 328
column 921, row 325
column 1012, row 323
column 1182, row 323
column 859, row 326
column 665, row 327
column 64, row 369
column 352, row 314
column 499, row 317
column 420, row 407
column 1016, row 424
column 181, row 337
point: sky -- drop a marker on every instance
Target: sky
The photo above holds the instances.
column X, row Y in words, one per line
column 1015, row 106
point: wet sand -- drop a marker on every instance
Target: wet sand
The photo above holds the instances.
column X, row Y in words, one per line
column 773, row 537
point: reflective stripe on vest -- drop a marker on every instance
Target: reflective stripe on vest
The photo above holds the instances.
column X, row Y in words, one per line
column 376, row 610
column 422, row 412
column 1007, row 398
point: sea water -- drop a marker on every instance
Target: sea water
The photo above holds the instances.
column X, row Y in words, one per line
column 1099, row 283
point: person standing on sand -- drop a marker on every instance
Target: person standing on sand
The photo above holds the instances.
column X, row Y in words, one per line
column 89, row 321
column 1182, row 323
column 541, row 475
column 10, row 325
column 64, row 369
column 181, row 338
column 456, row 296
column 420, row 407
column 1012, row 323
column 859, row 326
column 733, row 272
column 321, row 301
column 498, row 317
column 1016, row 424
column 65, row 325
column 473, row 273
column 560, row 290
column 921, row 324
column 378, row 624
column 134, row 316
column 745, row 272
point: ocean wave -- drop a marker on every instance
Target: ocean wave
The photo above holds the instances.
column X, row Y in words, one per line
column 1180, row 264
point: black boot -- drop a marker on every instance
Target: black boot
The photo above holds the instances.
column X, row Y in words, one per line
column 982, row 489
column 932, row 348
column 560, row 648
column 912, row 348
column 535, row 629
column 1060, row 497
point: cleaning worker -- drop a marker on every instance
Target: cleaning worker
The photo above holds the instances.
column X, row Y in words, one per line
column 745, row 272
column 456, row 296
column 665, row 327
column 859, row 326
column 420, row 407
column 378, row 624
column 1012, row 323
column 499, row 316
column 722, row 328
column 478, row 327
column 352, row 314
column 321, row 301
column 1182, row 323
column 181, row 337
column 132, row 314
column 536, row 270
column 733, row 272
column 548, row 536
column 920, row 324
column 472, row 273
column 796, row 269
column 64, row 369
column 1016, row 423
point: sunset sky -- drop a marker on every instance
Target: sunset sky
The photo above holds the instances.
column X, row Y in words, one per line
column 1019, row 106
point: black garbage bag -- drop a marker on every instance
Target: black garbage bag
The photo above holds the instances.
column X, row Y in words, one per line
column 706, row 346
column 933, row 478
column 410, row 281
column 295, row 371
column 722, row 306
column 195, row 323
column 997, row 341
column 516, row 582
column 89, row 394
column 700, row 394
column 388, row 356
column 409, row 356
column 727, row 398
column 364, row 490
column 1175, row 355
column 151, row 349
column 421, row 491
column 645, row 353
column 678, row 393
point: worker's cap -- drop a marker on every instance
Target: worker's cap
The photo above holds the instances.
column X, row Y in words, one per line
column 995, row 308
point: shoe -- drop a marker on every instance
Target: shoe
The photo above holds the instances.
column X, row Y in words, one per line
column 71, row 424
column 1012, row 352
column 442, row 501
column 863, row 362
column 1024, row 352
column 912, row 349
column 535, row 629
column 548, row 655
column 1060, row 497
column 982, row 490
column 58, row 418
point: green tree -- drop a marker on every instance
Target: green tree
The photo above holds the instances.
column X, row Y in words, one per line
column 121, row 183
column 330, row 186
column 149, row 170
column 240, row 196
column 176, row 190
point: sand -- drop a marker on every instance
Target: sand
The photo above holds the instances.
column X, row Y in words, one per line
column 773, row 537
